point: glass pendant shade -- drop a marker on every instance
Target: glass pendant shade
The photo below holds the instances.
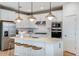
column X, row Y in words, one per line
column 32, row 18
column 18, row 19
column 50, row 16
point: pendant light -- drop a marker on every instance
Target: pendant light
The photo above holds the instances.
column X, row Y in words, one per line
column 50, row 16
column 18, row 19
column 32, row 18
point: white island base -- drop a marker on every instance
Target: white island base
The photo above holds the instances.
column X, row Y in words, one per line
column 46, row 47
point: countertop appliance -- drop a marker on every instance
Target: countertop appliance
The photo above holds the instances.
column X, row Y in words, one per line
column 7, row 30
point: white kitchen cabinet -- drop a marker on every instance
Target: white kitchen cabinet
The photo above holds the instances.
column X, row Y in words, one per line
column 19, row 51
column 49, row 50
column 22, row 51
column 69, row 33
column 40, row 52
column 58, row 49
column 55, row 49
column 28, row 51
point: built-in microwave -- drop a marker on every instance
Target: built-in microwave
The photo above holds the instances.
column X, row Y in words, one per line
column 56, row 30
column 56, row 24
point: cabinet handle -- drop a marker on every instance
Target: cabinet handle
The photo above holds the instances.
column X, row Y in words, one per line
column 59, row 45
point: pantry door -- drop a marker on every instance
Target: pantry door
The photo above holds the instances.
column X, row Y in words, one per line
column 69, row 33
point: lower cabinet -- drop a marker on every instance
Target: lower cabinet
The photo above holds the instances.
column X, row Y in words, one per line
column 55, row 49
column 52, row 49
column 49, row 50
column 19, row 50
column 58, row 49
column 40, row 52
column 28, row 51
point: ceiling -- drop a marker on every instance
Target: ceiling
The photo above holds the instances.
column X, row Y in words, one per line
column 37, row 6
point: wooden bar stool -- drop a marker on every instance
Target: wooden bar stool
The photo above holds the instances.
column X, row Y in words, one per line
column 18, row 44
column 36, row 48
column 27, row 45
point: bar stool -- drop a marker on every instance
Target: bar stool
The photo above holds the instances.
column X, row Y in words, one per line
column 18, row 44
column 36, row 48
column 27, row 45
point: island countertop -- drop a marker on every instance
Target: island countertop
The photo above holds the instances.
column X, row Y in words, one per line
column 36, row 41
column 39, row 39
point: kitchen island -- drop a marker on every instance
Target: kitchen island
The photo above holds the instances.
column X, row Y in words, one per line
column 31, row 46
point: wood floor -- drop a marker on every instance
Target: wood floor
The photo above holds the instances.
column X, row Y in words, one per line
column 11, row 53
column 7, row 52
column 66, row 53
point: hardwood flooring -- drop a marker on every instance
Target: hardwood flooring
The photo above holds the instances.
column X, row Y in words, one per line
column 66, row 53
column 7, row 52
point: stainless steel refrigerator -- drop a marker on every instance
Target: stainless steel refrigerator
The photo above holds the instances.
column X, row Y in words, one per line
column 7, row 30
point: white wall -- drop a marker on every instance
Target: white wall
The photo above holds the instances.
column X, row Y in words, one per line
column 70, row 9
